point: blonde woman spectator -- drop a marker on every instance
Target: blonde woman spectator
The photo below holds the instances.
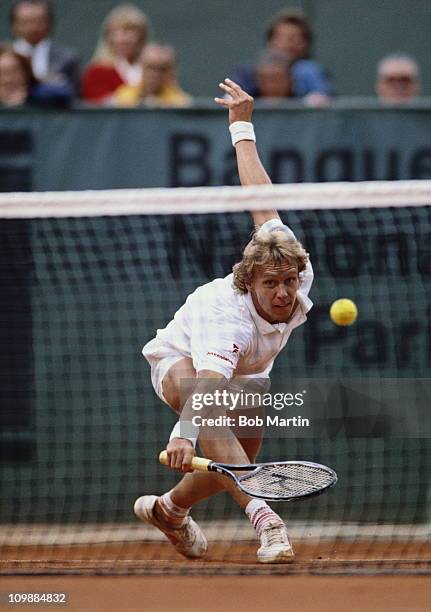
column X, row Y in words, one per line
column 159, row 86
column 116, row 61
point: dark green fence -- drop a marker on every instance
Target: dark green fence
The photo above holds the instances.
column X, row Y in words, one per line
column 81, row 427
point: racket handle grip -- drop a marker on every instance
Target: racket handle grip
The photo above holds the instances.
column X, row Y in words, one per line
column 198, row 463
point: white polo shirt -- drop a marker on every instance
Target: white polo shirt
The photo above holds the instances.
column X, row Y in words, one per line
column 220, row 330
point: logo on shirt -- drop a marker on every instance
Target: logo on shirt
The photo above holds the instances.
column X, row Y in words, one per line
column 220, row 356
column 235, row 349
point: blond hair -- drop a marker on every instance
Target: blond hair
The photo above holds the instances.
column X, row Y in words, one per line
column 124, row 15
column 271, row 248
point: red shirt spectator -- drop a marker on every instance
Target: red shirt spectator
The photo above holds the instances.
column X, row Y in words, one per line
column 116, row 60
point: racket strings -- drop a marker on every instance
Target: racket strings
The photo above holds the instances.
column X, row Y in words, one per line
column 286, row 480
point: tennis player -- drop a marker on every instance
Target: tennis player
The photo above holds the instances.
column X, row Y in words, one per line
column 229, row 328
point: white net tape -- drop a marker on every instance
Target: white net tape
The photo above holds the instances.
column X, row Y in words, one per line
column 371, row 194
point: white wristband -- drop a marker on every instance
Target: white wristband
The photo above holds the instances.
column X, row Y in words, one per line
column 275, row 225
column 185, row 430
column 241, row 130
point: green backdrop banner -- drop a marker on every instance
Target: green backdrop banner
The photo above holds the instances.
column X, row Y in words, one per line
column 103, row 149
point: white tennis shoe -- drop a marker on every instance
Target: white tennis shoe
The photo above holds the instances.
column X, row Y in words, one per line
column 189, row 539
column 275, row 545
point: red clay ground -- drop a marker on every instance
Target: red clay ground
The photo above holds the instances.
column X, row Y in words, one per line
column 238, row 593
column 330, row 556
column 228, row 579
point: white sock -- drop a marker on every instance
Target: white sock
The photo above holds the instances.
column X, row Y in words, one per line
column 260, row 515
column 171, row 513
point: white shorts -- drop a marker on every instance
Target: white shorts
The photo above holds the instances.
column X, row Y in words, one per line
column 159, row 368
column 161, row 359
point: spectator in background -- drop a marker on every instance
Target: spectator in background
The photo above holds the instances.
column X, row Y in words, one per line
column 18, row 85
column 273, row 77
column 117, row 59
column 32, row 24
column 290, row 33
column 159, row 86
column 398, row 79
column 16, row 77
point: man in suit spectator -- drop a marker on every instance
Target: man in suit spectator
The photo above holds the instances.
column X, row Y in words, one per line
column 32, row 23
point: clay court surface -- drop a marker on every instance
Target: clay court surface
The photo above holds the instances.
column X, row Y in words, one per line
column 199, row 593
column 339, row 556
column 334, row 576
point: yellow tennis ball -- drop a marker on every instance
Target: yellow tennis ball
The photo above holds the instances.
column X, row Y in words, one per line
column 343, row 312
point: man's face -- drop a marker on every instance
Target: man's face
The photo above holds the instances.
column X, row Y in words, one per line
column 397, row 82
column 273, row 290
column 158, row 65
column 13, row 86
column 273, row 81
column 31, row 22
column 289, row 38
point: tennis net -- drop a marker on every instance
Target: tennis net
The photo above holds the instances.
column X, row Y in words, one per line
column 88, row 277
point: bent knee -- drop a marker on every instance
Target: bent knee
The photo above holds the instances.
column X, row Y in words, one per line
column 174, row 383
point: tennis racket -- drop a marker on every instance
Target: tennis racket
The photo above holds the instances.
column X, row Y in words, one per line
column 280, row 481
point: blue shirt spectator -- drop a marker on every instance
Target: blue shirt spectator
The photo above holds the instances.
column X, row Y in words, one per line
column 290, row 33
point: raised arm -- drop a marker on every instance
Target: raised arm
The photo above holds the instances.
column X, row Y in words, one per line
column 250, row 168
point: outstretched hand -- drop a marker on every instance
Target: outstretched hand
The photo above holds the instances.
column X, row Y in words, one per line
column 240, row 104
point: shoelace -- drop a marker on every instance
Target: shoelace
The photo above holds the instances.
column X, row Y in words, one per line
column 275, row 534
column 187, row 533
